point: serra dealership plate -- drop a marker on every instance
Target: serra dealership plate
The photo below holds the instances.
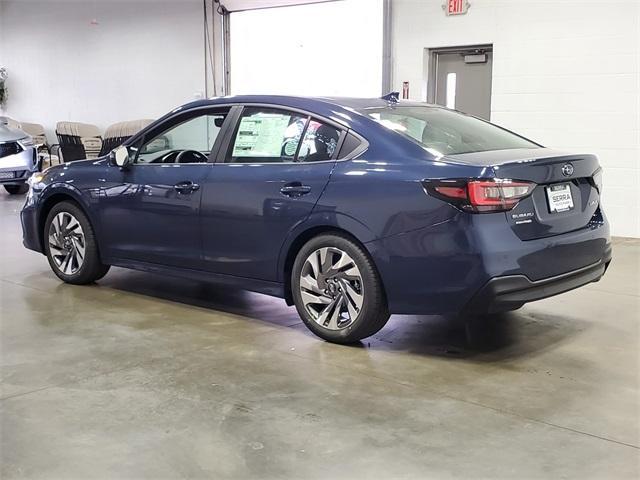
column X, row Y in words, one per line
column 560, row 199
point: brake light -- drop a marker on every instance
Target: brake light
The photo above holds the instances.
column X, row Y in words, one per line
column 480, row 196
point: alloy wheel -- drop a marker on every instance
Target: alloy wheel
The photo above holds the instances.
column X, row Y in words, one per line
column 67, row 243
column 331, row 288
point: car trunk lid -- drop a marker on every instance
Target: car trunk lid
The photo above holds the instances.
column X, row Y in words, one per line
column 566, row 197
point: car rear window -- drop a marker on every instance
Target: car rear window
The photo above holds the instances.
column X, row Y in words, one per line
column 445, row 132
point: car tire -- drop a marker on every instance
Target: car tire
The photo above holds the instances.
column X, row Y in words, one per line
column 70, row 245
column 337, row 290
column 16, row 189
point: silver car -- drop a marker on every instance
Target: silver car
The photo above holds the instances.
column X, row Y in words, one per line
column 18, row 159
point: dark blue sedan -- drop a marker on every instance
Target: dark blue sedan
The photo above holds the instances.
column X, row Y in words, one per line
column 350, row 209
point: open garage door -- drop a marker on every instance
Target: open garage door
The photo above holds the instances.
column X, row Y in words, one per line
column 241, row 5
column 309, row 49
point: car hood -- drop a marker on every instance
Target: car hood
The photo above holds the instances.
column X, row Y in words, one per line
column 10, row 134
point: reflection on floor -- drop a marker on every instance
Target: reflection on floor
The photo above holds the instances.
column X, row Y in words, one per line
column 144, row 376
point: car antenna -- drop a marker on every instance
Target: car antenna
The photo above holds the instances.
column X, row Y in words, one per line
column 392, row 97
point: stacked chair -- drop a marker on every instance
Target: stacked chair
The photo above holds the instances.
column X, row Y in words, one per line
column 118, row 133
column 78, row 141
column 36, row 131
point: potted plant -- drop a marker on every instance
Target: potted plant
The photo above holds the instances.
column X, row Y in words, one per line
column 3, row 87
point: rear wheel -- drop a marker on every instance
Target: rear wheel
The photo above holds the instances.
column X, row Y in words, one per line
column 16, row 189
column 70, row 245
column 337, row 290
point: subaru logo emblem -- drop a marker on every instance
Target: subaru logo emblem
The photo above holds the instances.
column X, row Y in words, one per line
column 567, row 169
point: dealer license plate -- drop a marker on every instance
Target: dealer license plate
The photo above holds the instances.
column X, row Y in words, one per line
column 560, row 199
column 5, row 175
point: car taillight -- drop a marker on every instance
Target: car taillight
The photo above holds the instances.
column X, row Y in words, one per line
column 480, row 196
column 596, row 180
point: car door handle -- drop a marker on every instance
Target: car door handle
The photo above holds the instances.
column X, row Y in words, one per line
column 295, row 189
column 186, row 187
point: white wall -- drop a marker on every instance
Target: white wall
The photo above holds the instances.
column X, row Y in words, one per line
column 143, row 58
column 326, row 49
column 565, row 73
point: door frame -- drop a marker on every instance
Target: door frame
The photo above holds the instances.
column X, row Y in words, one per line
column 431, row 64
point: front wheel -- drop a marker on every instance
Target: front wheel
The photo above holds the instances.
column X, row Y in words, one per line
column 337, row 290
column 70, row 245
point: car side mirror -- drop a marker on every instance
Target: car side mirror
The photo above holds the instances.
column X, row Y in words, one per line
column 121, row 156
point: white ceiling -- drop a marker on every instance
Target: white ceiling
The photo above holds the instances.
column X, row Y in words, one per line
column 239, row 5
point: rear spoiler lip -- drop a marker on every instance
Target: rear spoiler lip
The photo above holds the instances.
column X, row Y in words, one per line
column 498, row 158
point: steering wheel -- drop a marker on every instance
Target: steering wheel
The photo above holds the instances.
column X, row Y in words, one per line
column 201, row 157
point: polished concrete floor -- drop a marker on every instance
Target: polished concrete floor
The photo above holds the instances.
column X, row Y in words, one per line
column 147, row 377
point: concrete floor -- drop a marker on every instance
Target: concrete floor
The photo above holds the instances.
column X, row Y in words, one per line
column 148, row 377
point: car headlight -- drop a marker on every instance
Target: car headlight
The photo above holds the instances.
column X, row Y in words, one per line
column 27, row 142
column 35, row 180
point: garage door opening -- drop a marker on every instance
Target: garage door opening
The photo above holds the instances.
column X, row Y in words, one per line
column 312, row 49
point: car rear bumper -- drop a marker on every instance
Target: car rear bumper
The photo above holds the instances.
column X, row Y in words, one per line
column 476, row 262
column 512, row 291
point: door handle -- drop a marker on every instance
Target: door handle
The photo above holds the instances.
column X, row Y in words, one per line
column 186, row 187
column 295, row 189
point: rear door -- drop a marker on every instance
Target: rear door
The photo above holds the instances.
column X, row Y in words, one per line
column 267, row 179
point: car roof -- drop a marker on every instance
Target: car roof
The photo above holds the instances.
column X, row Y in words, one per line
column 350, row 103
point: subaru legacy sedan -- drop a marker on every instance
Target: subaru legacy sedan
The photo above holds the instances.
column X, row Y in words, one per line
column 349, row 209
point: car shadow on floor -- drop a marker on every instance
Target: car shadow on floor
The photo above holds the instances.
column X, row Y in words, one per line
column 486, row 338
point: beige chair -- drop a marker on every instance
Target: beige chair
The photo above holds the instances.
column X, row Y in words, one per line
column 78, row 140
column 36, row 131
column 118, row 133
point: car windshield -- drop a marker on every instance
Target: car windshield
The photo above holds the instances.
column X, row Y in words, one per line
column 445, row 132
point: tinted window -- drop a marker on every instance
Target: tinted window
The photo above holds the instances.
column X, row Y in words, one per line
column 319, row 143
column 267, row 136
column 351, row 142
column 447, row 132
column 188, row 142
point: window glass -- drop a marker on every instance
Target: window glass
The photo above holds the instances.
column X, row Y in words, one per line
column 351, row 142
column 319, row 143
column 188, row 142
column 446, row 132
column 267, row 135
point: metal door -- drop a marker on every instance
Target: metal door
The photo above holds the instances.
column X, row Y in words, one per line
column 462, row 80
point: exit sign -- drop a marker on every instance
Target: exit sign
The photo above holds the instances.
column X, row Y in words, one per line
column 456, row 7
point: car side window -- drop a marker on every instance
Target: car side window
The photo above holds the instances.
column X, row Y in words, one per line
column 189, row 141
column 266, row 135
column 319, row 143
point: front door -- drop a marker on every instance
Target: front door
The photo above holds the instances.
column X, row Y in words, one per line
column 266, row 181
column 462, row 80
column 150, row 212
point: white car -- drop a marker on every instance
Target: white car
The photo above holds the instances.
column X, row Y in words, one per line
column 18, row 159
